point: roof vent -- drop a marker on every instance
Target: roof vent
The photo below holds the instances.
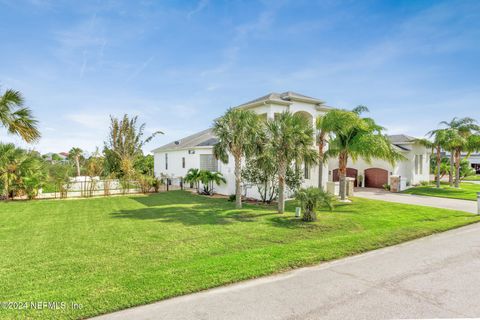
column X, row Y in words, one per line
column 177, row 142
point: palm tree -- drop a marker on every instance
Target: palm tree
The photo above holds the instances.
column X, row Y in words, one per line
column 236, row 131
column 321, row 142
column 352, row 137
column 462, row 134
column 439, row 143
column 290, row 138
column 193, row 176
column 208, row 178
column 16, row 118
column 20, row 171
column 311, row 198
column 75, row 154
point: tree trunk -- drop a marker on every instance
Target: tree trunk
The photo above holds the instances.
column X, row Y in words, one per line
column 77, row 163
column 457, row 169
column 320, row 164
column 309, row 215
column 238, row 187
column 282, row 170
column 450, row 174
column 439, row 160
column 342, row 172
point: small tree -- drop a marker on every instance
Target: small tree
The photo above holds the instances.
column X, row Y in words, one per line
column 193, row 176
column 208, row 179
column 311, row 198
column 75, row 154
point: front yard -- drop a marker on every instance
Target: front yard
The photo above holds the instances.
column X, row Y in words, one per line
column 107, row 254
column 467, row 191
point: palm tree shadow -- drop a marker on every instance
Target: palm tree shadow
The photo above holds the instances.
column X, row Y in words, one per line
column 189, row 210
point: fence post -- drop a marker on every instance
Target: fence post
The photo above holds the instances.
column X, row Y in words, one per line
column 168, row 182
column 181, row 183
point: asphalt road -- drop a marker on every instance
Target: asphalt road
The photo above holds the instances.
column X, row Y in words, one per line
column 433, row 277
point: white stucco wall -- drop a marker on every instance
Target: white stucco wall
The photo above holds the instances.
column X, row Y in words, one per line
column 405, row 168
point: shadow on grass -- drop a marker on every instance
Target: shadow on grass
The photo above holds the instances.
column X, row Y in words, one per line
column 190, row 209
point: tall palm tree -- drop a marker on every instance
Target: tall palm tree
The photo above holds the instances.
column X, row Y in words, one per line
column 352, row 137
column 16, row 118
column 237, row 132
column 291, row 138
column 463, row 132
column 75, row 154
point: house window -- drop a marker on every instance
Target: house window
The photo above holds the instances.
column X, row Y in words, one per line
column 166, row 161
column 191, row 151
column 183, row 162
column 306, row 172
column 208, row 162
column 420, row 163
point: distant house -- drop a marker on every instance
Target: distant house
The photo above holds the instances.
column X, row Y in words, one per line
column 56, row 157
column 474, row 160
column 196, row 151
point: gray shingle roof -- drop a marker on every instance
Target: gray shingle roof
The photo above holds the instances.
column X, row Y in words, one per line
column 281, row 97
column 200, row 139
column 399, row 138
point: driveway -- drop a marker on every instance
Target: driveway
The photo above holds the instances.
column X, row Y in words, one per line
column 445, row 203
column 433, row 277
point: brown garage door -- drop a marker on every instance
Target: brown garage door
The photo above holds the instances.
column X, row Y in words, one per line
column 351, row 173
column 375, row 177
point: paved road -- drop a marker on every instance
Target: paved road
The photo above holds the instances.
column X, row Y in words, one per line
column 433, row 277
column 454, row 204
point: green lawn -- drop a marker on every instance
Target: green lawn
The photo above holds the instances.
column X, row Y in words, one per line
column 112, row 253
column 467, row 191
column 472, row 178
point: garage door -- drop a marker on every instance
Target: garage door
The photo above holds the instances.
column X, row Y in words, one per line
column 351, row 173
column 376, row 178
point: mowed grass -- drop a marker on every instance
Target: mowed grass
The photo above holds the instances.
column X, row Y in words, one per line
column 467, row 191
column 472, row 178
column 107, row 254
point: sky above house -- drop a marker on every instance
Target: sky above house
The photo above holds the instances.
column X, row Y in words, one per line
column 180, row 64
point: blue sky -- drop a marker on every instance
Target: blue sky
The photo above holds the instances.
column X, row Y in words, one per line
column 179, row 64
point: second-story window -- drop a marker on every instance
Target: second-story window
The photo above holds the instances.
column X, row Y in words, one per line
column 166, row 161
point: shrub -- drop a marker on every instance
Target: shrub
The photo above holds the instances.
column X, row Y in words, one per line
column 311, row 198
column 232, row 198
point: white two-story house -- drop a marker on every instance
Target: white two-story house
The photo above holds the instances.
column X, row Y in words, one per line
column 196, row 151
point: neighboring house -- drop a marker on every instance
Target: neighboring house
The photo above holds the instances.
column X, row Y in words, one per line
column 414, row 169
column 474, row 160
column 56, row 157
column 196, row 151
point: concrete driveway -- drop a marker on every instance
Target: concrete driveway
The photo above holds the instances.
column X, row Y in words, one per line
column 445, row 203
column 433, row 277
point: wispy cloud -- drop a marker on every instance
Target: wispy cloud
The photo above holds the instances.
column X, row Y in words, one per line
column 139, row 69
column 200, row 6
